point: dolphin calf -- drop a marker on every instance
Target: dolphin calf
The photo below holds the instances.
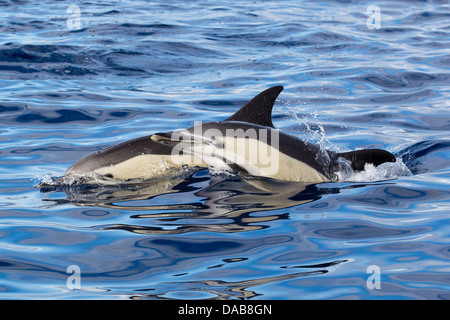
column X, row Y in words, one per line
column 247, row 143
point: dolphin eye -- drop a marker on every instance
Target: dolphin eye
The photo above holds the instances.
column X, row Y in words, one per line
column 109, row 175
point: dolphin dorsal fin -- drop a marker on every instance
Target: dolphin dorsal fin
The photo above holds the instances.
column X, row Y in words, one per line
column 259, row 109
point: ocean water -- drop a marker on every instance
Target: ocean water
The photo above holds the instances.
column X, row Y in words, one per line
column 77, row 77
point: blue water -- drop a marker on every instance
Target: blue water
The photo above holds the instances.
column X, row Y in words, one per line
column 72, row 86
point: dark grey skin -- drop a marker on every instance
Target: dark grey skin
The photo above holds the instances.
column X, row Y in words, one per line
column 152, row 156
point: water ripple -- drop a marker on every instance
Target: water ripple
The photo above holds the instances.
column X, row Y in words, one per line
column 140, row 67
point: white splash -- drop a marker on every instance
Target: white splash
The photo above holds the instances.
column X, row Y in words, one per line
column 215, row 172
column 384, row 171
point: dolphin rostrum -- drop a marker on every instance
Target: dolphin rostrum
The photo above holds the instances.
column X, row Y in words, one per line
column 247, row 143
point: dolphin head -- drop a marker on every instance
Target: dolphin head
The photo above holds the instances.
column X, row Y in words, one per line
column 139, row 158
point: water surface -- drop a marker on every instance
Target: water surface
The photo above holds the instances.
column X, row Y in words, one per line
column 131, row 69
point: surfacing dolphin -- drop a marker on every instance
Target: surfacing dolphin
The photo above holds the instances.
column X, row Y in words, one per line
column 247, row 143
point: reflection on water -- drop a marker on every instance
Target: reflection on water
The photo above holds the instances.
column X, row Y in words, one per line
column 222, row 290
column 201, row 205
column 223, row 203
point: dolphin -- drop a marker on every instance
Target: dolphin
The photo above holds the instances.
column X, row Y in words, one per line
column 247, row 143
